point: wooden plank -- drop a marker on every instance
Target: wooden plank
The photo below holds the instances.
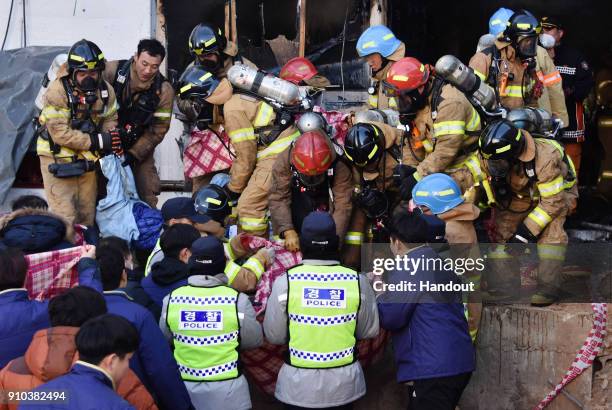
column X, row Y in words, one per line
column 302, row 50
column 234, row 25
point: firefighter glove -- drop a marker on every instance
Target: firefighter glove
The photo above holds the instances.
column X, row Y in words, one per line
column 292, row 240
column 107, row 143
column 523, row 235
column 404, row 178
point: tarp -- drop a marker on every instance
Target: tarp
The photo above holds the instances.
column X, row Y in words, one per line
column 21, row 73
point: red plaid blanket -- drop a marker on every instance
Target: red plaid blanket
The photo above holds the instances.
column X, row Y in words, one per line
column 51, row 273
column 205, row 153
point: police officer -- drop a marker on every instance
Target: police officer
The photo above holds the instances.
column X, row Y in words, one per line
column 577, row 83
column 374, row 150
column 309, row 176
column 447, row 123
column 209, row 324
column 534, row 186
column 145, row 109
column 380, row 48
column 510, row 66
column 214, row 54
column 78, row 120
column 213, row 201
column 321, row 309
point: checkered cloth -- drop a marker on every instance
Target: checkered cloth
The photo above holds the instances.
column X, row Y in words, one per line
column 263, row 364
column 51, row 273
column 205, row 153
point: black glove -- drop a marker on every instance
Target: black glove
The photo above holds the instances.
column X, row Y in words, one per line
column 373, row 202
column 403, row 177
column 232, row 197
column 523, row 235
column 106, row 143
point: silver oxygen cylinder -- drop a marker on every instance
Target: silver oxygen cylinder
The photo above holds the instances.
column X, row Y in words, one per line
column 389, row 117
column 263, row 84
column 534, row 120
column 458, row 74
column 49, row 76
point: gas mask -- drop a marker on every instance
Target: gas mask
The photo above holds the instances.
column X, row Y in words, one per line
column 310, row 181
column 547, row 41
column 205, row 116
column 211, row 65
column 499, row 170
column 526, row 47
column 88, row 86
column 410, row 102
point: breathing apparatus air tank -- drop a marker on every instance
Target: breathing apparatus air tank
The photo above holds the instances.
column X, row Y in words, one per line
column 264, row 85
column 49, row 76
column 451, row 69
column 536, row 121
column 387, row 116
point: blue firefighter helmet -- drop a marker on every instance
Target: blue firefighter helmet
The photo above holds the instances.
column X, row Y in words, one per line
column 438, row 192
column 377, row 39
column 499, row 21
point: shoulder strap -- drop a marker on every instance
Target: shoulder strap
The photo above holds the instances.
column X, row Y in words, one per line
column 122, row 76
column 436, row 98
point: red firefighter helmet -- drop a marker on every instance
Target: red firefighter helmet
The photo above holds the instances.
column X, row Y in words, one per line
column 298, row 69
column 311, row 156
column 406, row 74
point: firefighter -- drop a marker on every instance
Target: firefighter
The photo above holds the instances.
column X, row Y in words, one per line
column 374, row 150
column 380, row 48
column 446, row 121
column 212, row 201
column 518, row 69
column 258, row 134
column 534, row 186
column 145, row 109
column 577, row 83
column 78, row 124
column 210, row 50
column 552, row 99
column 301, row 71
column 308, row 177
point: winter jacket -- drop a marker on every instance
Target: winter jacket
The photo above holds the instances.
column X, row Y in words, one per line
column 51, row 355
column 313, row 388
column 379, row 99
column 451, row 136
column 36, row 230
column 510, row 63
column 552, row 99
column 230, row 394
column 56, row 117
column 149, row 222
column 281, row 195
column 22, row 317
column 135, row 291
column 86, row 387
column 166, row 275
column 153, row 362
column 429, row 329
column 245, row 118
column 413, row 152
column 577, row 78
column 156, row 131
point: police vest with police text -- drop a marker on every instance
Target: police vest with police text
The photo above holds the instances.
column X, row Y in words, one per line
column 206, row 332
column 322, row 307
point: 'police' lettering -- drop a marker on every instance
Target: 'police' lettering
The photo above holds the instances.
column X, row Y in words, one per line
column 201, row 320
column 324, row 298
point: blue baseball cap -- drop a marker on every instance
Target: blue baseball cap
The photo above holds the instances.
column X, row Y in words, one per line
column 207, row 256
column 182, row 207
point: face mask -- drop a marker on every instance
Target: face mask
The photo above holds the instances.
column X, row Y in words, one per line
column 88, row 84
column 210, row 65
column 547, row 41
column 411, row 102
column 498, row 168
